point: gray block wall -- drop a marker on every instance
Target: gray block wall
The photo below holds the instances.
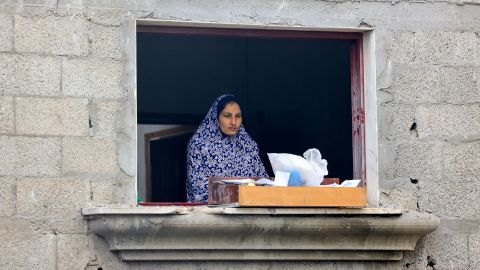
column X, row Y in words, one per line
column 67, row 120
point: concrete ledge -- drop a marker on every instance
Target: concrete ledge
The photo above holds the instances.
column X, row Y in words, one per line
column 176, row 233
column 175, row 210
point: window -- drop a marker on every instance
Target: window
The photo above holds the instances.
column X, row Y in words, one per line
column 300, row 89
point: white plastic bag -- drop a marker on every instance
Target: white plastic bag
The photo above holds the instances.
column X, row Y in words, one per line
column 312, row 168
column 315, row 158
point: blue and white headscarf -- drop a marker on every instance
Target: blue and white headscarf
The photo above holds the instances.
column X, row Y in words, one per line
column 212, row 153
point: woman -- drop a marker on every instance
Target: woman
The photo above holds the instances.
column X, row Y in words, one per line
column 220, row 147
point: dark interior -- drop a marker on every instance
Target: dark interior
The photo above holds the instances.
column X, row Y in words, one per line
column 295, row 95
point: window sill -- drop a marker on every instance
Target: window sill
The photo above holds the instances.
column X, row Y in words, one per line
column 176, row 233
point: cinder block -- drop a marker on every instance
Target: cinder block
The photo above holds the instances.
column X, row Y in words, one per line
column 104, row 116
column 462, row 161
column 8, row 148
column 92, row 78
column 24, row 249
column 447, row 251
column 476, row 78
column 446, row 47
column 395, row 121
column 38, row 156
column 6, row 115
column 107, row 259
column 448, row 122
column 7, row 72
column 73, row 251
column 450, row 197
column 31, row 75
column 412, row 260
column 30, row 156
column 104, row 192
column 118, row 189
column 106, row 41
column 51, row 116
column 55, row 198
column 399, row 193
column 85, row 155
column 460, row 85
column 413, row 84
column 52, row 35
column 6, row 33
column 418, row 161
column 7, row 196
column 402, row 48
column 474, row 251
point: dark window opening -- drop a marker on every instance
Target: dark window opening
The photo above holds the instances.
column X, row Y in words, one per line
column 296, row 92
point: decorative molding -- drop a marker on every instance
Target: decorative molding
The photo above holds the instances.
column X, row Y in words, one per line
column 202, row 233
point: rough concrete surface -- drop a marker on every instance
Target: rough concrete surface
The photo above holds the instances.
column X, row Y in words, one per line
column 109, row 190
column 51, row 35
column 474, row 250
column 413, row 84
column 31, row 75
column 106, row 41
column 89, row 156
column 74, row 251
column 437, row 246
column 451, row 197
column 104, row 117
column 30, row 156
column 24, row 248
column 7, row 124
column 7, row 65
column 7, row 196
column 51, row 116
column 6, row 32
column 448, row 122
column 8, row 157
column 396, row 121
column 402, row 50
column 418, row 160
column 447, row 48
column 103, row 192
column 462, row 161
column 455, row 80
column 92, row 78
column 400, row 193
column 55, row 198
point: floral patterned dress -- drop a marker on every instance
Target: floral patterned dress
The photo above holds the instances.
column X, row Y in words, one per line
column 211, row 153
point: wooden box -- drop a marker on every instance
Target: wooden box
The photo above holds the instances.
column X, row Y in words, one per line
column 268, row 196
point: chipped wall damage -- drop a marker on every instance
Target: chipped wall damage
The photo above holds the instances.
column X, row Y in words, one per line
column 68, row 119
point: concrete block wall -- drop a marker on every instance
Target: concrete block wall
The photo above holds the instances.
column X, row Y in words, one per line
column 61, row 87
column 67, row 115
column 430, row 134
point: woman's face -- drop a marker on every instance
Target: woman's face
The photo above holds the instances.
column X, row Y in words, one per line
column 230, row 119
